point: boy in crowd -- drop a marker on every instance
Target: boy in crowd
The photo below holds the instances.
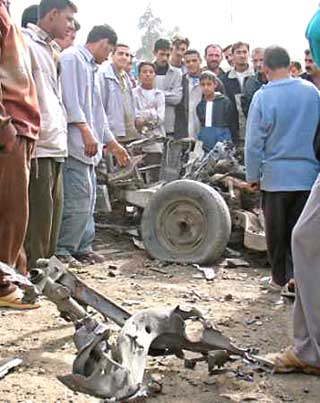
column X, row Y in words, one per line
column 150, row 114
column 214, row 113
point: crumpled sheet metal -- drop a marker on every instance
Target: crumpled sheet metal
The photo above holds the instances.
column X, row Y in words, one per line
column 117, row 372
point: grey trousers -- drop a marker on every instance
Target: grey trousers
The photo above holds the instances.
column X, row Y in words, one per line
column 306, row 260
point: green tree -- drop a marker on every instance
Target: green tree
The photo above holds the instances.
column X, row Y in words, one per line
column 152, row 30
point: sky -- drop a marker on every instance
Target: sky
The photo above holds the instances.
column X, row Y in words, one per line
column 258, row 22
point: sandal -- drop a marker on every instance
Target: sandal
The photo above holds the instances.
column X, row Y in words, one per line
column 14, row 300
column 287, row 362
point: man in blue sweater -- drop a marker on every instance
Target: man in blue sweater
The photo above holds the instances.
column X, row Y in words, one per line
column 280, row 160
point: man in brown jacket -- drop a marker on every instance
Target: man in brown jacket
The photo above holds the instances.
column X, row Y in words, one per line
column 19, row 128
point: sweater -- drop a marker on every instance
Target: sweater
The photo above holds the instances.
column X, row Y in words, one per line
column 282, row 122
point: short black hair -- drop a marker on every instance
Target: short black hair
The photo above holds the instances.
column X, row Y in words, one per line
column 99, row 32
column 142, row 64
column 46, row 6
column 226, row 48
column 276, row 57
column 212, row 45
column 192, row 52
column 30, row 15
column 237, row 45
column 162, row 44
column 307, row 52
column 208, row 75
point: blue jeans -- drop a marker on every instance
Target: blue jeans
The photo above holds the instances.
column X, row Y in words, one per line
column 77, row 231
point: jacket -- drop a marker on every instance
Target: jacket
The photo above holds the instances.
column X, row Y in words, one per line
column 52, row 141
column 112, row 99
column 234, row 92
column 172, row 88
column 183, row 113
column 282, row 122
column 251, row 86
column 222, row 114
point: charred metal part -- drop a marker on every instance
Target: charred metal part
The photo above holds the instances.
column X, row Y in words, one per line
column 8, row 364
column 115, row 372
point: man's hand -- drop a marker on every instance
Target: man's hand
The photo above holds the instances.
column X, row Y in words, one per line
column 8, row 135
column 119, row 152
column 89, row 141
column 255, row 187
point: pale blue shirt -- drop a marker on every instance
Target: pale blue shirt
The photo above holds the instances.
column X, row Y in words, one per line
column 82, row 100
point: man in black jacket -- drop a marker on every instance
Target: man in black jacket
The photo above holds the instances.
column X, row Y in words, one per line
column 234, row 82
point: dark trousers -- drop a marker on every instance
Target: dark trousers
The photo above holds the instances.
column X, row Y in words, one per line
column 46, row 204
column 281, row 212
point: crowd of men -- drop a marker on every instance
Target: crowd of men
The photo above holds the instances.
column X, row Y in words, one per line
column 64, row 107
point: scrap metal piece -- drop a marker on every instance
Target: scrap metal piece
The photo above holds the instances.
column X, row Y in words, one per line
column 118, row 371
column 254, row 234
column 70, row 294
column 8, row 364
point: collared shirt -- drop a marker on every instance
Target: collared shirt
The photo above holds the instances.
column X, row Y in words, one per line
column 82, row 99
column 52, row 142
column 18, row 92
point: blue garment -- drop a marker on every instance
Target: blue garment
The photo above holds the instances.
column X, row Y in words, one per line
column 281, row 126
column 313, row 36
column 211, row 135
column 82, row 99
column 77, row 230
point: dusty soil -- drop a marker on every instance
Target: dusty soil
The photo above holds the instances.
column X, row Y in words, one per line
column 234, row 301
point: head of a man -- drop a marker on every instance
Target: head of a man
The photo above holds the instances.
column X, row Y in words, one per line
column 309, row 64
column 240, row 55
column 121, row 56
column 178, row 50
column 162, row 48
column 192, row 60
column 129, row 65
column 56, row 17
column 276, row 62
column 227, row 52
column 213, row 55
column 70, row 37
column 100, row 42
column 257, row 59
column 30, row 15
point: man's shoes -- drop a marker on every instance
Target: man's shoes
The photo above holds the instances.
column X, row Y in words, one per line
column 269, row 285
column 14, row 300
column 90, row 258
column 70, row 261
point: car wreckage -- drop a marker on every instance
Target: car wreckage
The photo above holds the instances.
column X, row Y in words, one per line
column 115, row 370
column 200, row 201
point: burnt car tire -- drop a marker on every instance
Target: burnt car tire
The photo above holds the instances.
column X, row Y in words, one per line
column 186, row 221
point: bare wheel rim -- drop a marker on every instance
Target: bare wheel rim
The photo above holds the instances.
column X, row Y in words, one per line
column 182, row 226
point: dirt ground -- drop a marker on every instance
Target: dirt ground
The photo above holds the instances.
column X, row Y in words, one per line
column 234, row 301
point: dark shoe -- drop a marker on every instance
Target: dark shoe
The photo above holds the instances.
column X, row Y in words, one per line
column 90, row 258
column 70, row 261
